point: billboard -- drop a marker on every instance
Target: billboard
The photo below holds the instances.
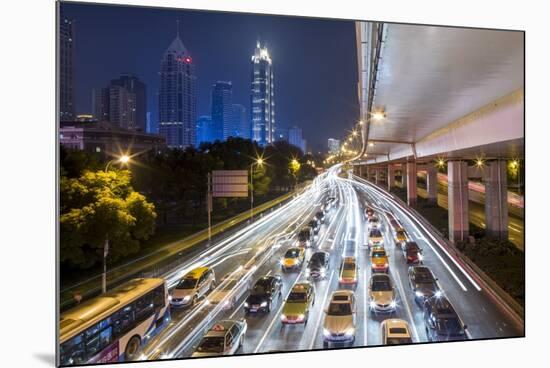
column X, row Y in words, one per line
column 230, row 183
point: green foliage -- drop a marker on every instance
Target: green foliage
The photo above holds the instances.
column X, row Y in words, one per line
column 99, row 205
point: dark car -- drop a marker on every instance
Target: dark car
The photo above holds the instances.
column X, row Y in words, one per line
column 318, row 264
column 442, row 322
column 412, row 253
column 320, row 216
column 423, row 283
column 314, row 225
column 305, row 237
column 263, row 293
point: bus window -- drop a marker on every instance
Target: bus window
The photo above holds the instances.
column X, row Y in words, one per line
column 72, row 351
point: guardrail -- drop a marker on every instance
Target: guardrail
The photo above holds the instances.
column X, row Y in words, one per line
column 507, row 301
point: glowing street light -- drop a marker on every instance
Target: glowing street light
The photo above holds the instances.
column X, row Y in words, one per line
column 124, row 159
column 479, row 162
column 371, row 144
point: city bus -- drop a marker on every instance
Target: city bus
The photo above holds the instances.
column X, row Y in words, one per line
column 115, row 326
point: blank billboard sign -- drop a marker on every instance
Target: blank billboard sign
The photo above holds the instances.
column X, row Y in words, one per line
column 230, row 183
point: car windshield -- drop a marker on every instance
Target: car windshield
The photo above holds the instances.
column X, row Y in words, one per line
column 398, row 340
column 292, row 253
column 303, row 235
column 212, row 344
column 187, row 283
column 381, row 285
column 349, row 265
column 339, row 309
column 412, row 247
column 400, row 233
column 295, row 297
column 375, row 233
column 317, row 257
column 373, row 219
column 378, row 254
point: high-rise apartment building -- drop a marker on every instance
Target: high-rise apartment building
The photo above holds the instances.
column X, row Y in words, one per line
column 262, row 100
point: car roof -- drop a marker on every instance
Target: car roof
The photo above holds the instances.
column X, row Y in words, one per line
column 396, row 323
column 341, row 293
column 196, row 272
column 301, row 287
column 220, row 328
column 349, row 259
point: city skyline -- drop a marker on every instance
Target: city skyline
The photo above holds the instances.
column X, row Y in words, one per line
column 105, row 56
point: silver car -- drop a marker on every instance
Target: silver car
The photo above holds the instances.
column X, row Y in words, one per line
column 225, row 337
column 339, row 324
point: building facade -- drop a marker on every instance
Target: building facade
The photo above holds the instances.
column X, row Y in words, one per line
column 66, row 68
column 333, row 145
column 240, row 126
column 262, row 101
column 204, row 129
column 296, row 138
column 222, row 108
column 177, row 96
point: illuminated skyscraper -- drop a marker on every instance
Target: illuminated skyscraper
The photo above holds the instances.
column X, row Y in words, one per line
column 177, row 96
column 262, row 101
column 222, row 93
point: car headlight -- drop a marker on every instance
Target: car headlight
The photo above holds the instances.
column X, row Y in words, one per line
column 246, row 304
column 420, row 256
column 438, row 294
column 283, row 317
column 301, row 317
column 264, row 304
column 372, row 304
column 326, row 332
column 386, row 265
column 186, row 298
column 282, row 262
column 169, row 298
column 393, row 304
column 350, row 332
column 419, row 294
column 307, row 271
column 322, row 270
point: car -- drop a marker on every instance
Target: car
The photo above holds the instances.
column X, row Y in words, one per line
column 305, row 237
column 339, row 323
column 315, row 226
column 423, row 284
column 369, row 212
column 320, row 216
column 412, row 253
column 231, row 288
column 225, row 337
column 400, row 236
column 373, row 222
column 395, row 332
column 298, row 304
column 442, row 322
column 329, row 203
column 293, row 259
column 381, row 293
column 194, row 285
column 348, row 272
column 318, row 264
column 262, row 295
column 375, row 238
column 379, row 260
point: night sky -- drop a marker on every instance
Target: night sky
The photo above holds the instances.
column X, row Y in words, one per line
column 314, row 61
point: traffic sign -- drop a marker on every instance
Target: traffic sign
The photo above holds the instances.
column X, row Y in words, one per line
column 230, row 183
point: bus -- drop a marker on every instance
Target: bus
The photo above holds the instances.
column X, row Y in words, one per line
column 114, row 326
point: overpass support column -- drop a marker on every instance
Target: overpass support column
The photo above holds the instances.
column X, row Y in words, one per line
column 403, row 176
column 391, row 177
column 377, row 176
column 457, row 176
column 411, row 183
column 496, row 200
column 431, row 183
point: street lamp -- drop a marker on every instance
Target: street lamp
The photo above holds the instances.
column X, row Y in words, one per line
column 259, row 161
column 124, row 159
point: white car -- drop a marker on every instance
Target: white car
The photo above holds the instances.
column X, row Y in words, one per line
column 373, row 222
column 225, row 337
column 395, row 332
column 376, row 239
column 339, row 324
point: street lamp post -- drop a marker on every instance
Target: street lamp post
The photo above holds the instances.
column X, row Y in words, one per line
column 259, row 162
column 123, row 160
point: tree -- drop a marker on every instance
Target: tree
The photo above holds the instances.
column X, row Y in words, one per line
column 99, row 205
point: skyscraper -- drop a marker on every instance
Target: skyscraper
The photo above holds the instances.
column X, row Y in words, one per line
column 177, row 96
column 66, row 69
column 262, row 97
column 333, row 145
column 123, row 103
column 204, row 129
column 222, row 95
column 295, row 138
column 240, row 126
